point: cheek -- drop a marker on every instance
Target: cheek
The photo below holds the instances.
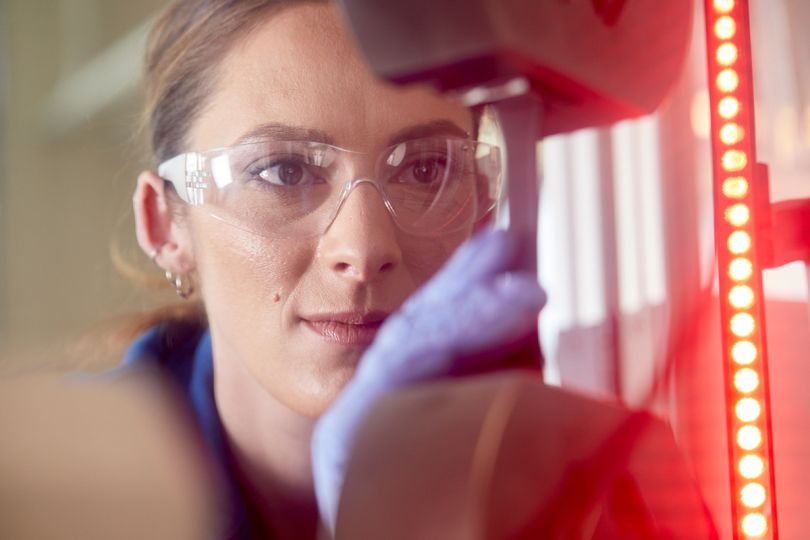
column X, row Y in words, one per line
column 245, row 278
column 423, row 257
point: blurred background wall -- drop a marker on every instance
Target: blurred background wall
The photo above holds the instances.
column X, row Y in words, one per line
column 70, row 150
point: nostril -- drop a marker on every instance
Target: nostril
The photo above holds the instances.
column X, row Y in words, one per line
column 365, row 273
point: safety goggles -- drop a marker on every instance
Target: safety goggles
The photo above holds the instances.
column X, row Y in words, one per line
column 431, row 186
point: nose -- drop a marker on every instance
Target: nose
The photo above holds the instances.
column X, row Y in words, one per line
column 361, row 243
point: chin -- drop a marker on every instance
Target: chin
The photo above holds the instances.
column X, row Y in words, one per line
column 315, row 396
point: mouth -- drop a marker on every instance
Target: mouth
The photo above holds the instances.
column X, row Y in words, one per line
column 352, row 329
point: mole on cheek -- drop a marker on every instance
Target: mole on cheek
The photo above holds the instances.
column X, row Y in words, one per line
column 276, row 297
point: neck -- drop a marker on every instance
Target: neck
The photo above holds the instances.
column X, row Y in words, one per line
column 271, row 447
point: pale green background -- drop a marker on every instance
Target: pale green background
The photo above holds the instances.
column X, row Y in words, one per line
column 71, row 150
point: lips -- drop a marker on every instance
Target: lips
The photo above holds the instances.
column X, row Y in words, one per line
column 346, row 328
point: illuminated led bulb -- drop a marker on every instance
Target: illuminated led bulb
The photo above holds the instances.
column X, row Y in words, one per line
column 738, row 214
column 749, row 437
column 741, row 296
column 754, row 525
column 726, row 54
column 734, row 160
column 746, row 380
column 744, row 352
column 728, row 80
column 742, row 325
column 723, row 6
column 753, row 495
column 731, row 133
column 728, row 107
column 725, row 27
column 751, row 466
column 739, row 242
column 735, row 187
column 747, row 409
column 740, row 269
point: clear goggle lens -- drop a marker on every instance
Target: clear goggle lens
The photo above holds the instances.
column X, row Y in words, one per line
column 431, row 186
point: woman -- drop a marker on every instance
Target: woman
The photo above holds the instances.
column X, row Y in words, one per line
column 303, row 202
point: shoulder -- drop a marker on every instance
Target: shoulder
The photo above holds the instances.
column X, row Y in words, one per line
column 172, row 348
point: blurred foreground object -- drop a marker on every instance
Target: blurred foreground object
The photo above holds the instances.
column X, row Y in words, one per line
column 505, row 456
column 592, row 62
column 99, row 461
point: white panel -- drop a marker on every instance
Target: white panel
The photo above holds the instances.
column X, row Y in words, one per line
column 555, row 264
column 556, row 258
column 787, row 282
column 627, row 224
column 652, row 217
column 587, row 210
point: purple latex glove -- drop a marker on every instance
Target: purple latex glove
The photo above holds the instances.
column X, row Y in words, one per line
column 474, row 304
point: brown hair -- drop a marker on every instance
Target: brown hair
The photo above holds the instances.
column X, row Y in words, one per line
column 183, row 54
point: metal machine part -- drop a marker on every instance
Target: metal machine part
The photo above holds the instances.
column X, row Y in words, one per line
column 592, row 61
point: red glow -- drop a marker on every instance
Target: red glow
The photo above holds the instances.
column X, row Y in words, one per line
column 744, row 352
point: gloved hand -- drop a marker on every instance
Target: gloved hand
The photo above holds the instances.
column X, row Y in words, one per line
column 473, row 305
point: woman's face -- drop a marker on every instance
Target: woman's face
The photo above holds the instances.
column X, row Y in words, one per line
column 284, row 311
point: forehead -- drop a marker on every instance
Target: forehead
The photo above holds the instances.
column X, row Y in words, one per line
column 302, row 69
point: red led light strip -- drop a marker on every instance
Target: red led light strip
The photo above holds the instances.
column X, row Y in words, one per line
column 736, row 178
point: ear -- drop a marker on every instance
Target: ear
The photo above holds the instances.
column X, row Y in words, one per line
column 157, row 228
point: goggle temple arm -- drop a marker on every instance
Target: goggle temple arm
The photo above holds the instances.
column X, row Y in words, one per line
column 175, row 171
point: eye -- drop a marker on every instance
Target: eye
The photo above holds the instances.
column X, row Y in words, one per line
column 423, row 171
column 284, row 172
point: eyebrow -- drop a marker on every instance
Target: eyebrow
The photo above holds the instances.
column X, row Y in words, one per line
column 429, row 129
column 285, row 132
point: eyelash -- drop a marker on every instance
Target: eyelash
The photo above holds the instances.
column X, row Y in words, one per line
column 254, row 170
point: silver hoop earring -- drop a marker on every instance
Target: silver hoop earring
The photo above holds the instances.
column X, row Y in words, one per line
column 182, row 284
